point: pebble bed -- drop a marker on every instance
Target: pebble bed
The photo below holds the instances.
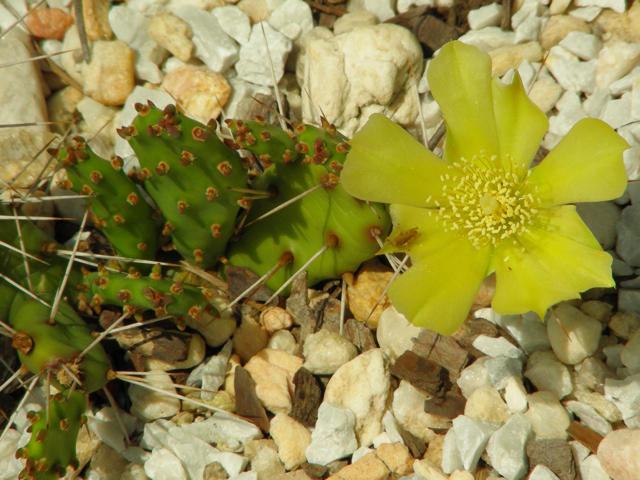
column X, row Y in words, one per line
column 525, row 384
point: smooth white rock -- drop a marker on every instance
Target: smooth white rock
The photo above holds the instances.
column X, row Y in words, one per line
column 515, row 395
column 579, row 452
column 129, row 26
column 628, row 228
column 601, row 218
column 619, row 6
column 212, row 45
column 334, row 437
column 501, row 368
column 558, row 6
column 527, row 329
column 391, row 428
column 540, row 472
column 625, row 83
column 382, row 9
column 147, row 58
column 591, row 469
column 292, row 11
column 495, row 347
column 617, row 112
column 285, row 341
column 625, row 394
column 474, row 376
column 241, row 90
column 224, row 428
column 164, row 465
column 615, row 60
column 548, row 417
column 595, row 102
column 487, row 16
column 404, row 5
column 630, row 354
column 394, row 332
column 10, row 466
column 451, row 460
column 573, row 74
column 589, row 417
column 488, row 38
column 588, row 14
column 635, row 98
column 573, row 335
column 526, row 22
column 150, row 405
column 547, row 373
column 361, row 452
column 585, row 45
column 145, row 6
column 234, row 22
column 253, row 64
column 210, row 374
column 472, row 436
column 506, row 447
column 106, row 426
column 613, row 352
column 324, row 352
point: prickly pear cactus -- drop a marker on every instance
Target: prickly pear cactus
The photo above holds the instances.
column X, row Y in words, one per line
column 327, row 217
column 52, row 447
column 118, row 210
column 188, row 171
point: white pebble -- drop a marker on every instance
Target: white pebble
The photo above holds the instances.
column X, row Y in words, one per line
column 487, row 16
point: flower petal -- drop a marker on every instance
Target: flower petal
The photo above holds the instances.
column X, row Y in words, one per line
column 386, row 164
column 460, row 81
column 438, row 290
column 520, row 124
column 561, row 258
column 586, row 166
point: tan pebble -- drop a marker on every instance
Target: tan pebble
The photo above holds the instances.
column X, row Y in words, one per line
column 558, row 27
column 275, row 319
column 434, row 450
column 601, row 311
column 364, row 291
column 369, row 467
column 201, row 91
column 619, row 454
column 249, row 338
column 292, row 439
column 461, row 475
column 96, row 19
column 545, row 93
column 396, row 457
column 109, row 78
column 485, row 403
column 173, row 34
column 256, row 10
column 617, row 26
column 51, row 23
column 505, row 58
column 62, row 107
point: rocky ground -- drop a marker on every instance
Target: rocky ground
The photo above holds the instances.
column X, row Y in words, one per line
column 376, row 398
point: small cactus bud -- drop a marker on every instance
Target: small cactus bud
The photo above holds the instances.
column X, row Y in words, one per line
column 302, row 147
column 143, row 110
column 195, row 311
column 168, row 228
column 22, row 342
column 299, row 127
column 245, row 203
column 187, row 158
column 215, row 230
column 169, row 110
column 86, row 190
column 225, row 168
column 183, row 206
column 42, row 436
column 156, row 272
column 330, row 181
column 145, row 175
column 153, row 131
column 65, row 184
column 212, row 194
column 162, row 168
column 265, row 136
column 336, row 166
column 141, row 246
column 343, row 147
column 176, row 288
column 133, row 273
column 133, row 198
column 200, row 134
column 124, row 295
column 197, row 253
column 117, row 163
column 33, row 417
column 260, row 120
column 65, row 424
column 118, row 220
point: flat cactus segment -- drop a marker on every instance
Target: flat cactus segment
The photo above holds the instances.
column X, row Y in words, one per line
column 306, row 225
column 43, row 345
column 188, row 171
column 137, row 294
column 118, row 208
column 52, row 447
column 268, row 142
column 322, row 146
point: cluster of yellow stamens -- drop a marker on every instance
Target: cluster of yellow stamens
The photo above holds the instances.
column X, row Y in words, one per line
column 486, row 201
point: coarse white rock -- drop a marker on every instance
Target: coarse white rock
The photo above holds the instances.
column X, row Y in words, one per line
column 273, row 371
column 589, row 417
column 571, row 73
column 558, row 6
column 234, row 22
column 324, row 352
column 360, row 452
column 474, row 376
column 527, row 329
column 292, row 439
column 547, row 373
column 558, row 27
column 147, row 59
column 425, row 469
column 212, row 45
column 635, row 98
column 506, row 447
column 210, row 374
column 515, row 395
column 617, row 112
column 487, row 16
column 333, row 437
column 601, row 218
column 285, row 341
column 619, row 6
column 224, row 429
column 147, row 404
column 365, row 71
column 164, row 465
column 548, row 417
column 594, row 103
column 615, row 60
column 588, row 14
column 264, row 459
column 106, row 464
column 630, row 354
column 540, row 472
column 618, row 267
column 613, row 352
column 591, row 469
column 129, row 26
column 146, row 6
column 382, row 9
column 585, row 45
column 391, row 428
column 501, row 368
column 353, row 20
column 625, row 83
column 526, row 22
column 495, row 347
column 573, row 335
column 253, row 64
column 451, row 460
column 592, row 372
column 394, row 332
column 173, row 34
column 292, row 11
column 625, row 394
column 618, row 454
column 362, row 385
column 488, row 38
column 472, row 436
column 628, row 229
column 106, row 426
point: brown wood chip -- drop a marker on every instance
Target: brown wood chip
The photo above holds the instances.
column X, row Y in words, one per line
column 241, row 278
column 416, row 446
column 449, row 406
column 444, row 351
column 307, row 397
column 554, row 454
column 247, row 403
column 585, row 436
column 313, row 470
column 359, row 334
column 419, row 372
column 298, row 307
column 428, row 26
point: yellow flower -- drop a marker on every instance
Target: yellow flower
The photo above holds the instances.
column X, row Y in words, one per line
column 481, row 209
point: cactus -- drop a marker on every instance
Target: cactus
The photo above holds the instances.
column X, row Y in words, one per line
column 124, row 217
column 52, row 447
column 188, row 171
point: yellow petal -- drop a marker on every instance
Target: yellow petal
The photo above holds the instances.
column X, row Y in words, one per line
column 386, row 164
column 561, row 258
column 460, row 81
column 519, row 123
column 438, row 290
column 586, row 166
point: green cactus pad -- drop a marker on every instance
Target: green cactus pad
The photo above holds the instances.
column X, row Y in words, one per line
column 52, row 447
column 118, row 208
column 188, row 171
column 307, row 225
column 44, row 345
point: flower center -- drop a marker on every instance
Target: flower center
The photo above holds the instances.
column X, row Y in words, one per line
column 486, row 201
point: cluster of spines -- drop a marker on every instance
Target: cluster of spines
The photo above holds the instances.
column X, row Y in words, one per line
column 117, row 208
column 193, row 178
